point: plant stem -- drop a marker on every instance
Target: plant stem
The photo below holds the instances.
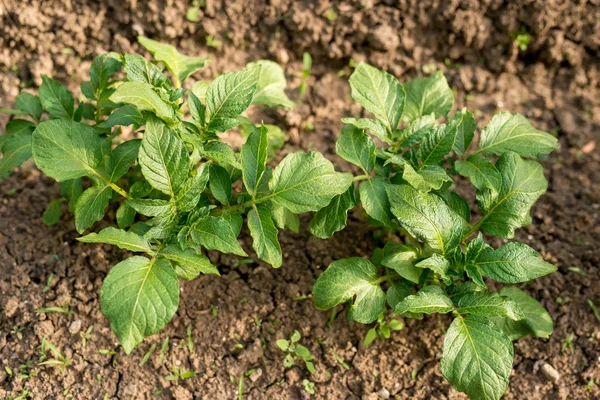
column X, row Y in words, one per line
column 12, row 111
column 361, row 178
column 385, row 278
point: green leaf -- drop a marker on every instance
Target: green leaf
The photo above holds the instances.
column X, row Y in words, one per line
column 457, row 204
column 523, row 182
column 102, row 68
column 190, row 192
column 254, row 158
column 220, row 184
column 122, row 158
column 512, row 132
column 512, row 263
column 15, row 151
column 216, row 233
column 348, row 278
column 438, row 264
column 56, row 99
column 375, row 127
column 143, row 96
column 151, row 207
column 164, row 160
column 398, row 291
column 228, row 96
column 427, row 217
column 90, row 206
column 117, row 237
column 30, row 104
column 356, row 147
column 437, row 144
column 477, row 358
column 374, row 199
column 489, row 304
column 427, row 178
column 85, row 111
column 379, row 93
column 428, row 95
column 222, row 153
column 270, row 89
column 465, row 130
column 481, row 171
column 125, row 115
column 430, row 299
column 65, row 149
column 139, row 296
column 416, row 130
column 71, row 190
column 139, row 70
column 284, row 218
column 181, row 66
column 125, row 216
column 264, row 236
column 52, row 213
column 188, row 263
column 332, row 218
column 305, row 182
column 537, row 321
column 401, row 259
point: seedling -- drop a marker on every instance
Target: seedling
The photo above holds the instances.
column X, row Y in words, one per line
column 163, row 349
column 293, row 350
column 382, row 329
column 147, row 355
column 49, row 310
column 85, row 336
column 17, row 331
column 180, row 176
column 190, row 340
column 106, row 352
column 214, row 43
column 521, row 38
column 25, row 371
column 568, row 344
column 309, row 386
column 341, row 361
column 306, row 71
column 60, row 359
column 179, row 373
column 439, row 261
column 48, row 283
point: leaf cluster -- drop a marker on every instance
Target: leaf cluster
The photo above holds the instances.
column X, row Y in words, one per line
column 180, row 189
column 409, row 163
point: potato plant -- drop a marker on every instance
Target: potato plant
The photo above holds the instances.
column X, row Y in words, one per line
column 440, row 267
column 176, row 186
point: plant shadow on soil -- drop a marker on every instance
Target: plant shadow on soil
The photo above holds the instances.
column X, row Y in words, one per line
column 235, row 319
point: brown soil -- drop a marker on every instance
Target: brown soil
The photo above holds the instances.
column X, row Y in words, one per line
column 555, row 83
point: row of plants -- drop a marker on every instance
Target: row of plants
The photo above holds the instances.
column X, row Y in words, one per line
column 182, row 191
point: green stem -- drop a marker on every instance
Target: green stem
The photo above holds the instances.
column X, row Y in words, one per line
column 12, row 111
column 112, row 185
column 474, row 228
column 385, row 278
column 361, row 178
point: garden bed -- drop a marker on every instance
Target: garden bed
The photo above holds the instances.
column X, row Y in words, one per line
column 234, row 320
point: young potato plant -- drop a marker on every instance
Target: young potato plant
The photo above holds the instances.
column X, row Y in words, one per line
column 441, row 267
column 177, row 185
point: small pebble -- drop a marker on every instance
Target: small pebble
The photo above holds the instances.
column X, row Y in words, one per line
column 75, row 327
column 549, row 372
column 384, row 394
column 256, row 375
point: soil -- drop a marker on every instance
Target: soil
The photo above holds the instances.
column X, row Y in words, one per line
column 234, row 320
